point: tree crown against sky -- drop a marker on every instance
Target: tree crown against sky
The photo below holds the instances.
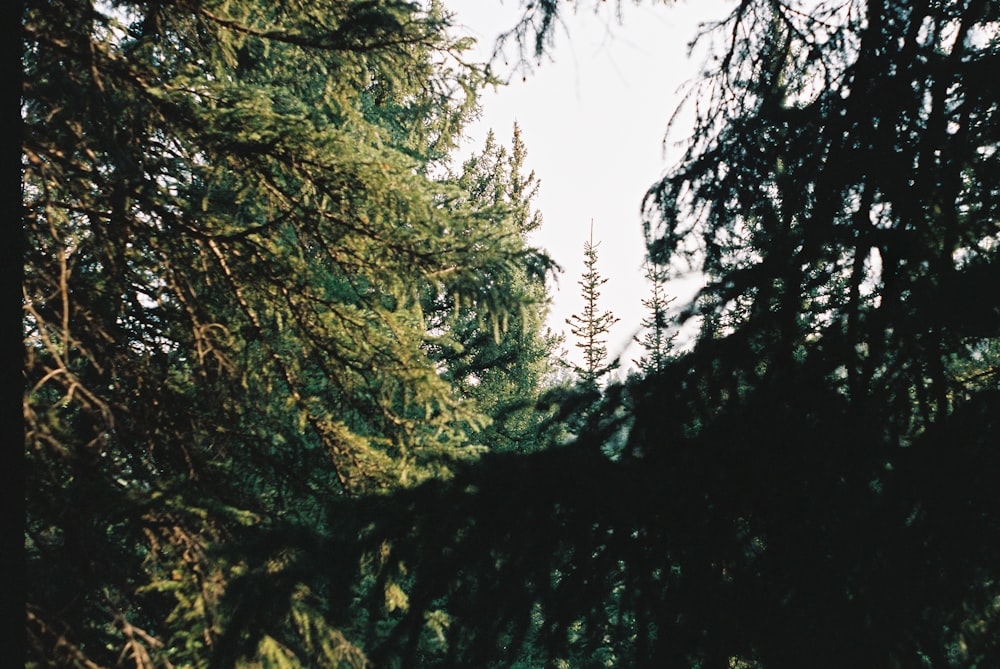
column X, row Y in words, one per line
column 658, row 337
column 591, row 326
column 502, row 366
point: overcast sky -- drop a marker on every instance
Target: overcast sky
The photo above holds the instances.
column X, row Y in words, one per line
column 593, row 119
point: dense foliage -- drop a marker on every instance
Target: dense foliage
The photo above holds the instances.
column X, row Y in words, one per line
column 233, row 222
column 503, row 368
column 814, row 483
column 258, row 324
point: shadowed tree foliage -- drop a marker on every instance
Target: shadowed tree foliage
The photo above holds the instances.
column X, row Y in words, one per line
column 230, row 227
column 814, row 484
column 717, row 555
column 846, row 211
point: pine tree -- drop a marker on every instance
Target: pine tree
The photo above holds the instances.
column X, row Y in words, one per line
column 592, row 326
column 657, row 341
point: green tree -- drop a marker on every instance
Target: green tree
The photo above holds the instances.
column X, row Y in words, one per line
column 231, row 223
column 590, row 328
column 501, row 366
column 829, row 443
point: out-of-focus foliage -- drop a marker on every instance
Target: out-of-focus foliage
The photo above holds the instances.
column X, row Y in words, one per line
column 840, row 193
column 814, row 483
column 231, row 223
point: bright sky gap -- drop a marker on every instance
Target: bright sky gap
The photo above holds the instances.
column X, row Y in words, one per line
column 594, row 117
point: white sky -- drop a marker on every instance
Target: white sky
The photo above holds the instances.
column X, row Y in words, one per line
column 593, row 120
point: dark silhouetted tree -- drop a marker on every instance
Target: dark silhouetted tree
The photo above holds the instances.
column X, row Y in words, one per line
column 814, row 483
column 657, row 340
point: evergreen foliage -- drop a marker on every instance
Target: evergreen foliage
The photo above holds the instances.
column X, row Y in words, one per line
column 657, row 341
column 835, row 218
column 231, row 222
column 250, row 444
column 814, row 483
column 502, row 365
column 592, row 325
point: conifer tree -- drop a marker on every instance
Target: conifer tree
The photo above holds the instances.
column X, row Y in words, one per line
column 231, row 220
column 591, row 327
column 831, row 438
column 657, row 340
column 501, row 366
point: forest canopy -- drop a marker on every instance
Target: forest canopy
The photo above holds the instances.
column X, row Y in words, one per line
column 289, row 401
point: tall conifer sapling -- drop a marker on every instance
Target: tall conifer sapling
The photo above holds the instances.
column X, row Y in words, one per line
column 592, row 326
column 657, row 341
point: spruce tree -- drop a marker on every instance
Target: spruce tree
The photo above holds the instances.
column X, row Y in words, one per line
column 500, row 365
column 232, row 216
column 657, row 340
column 591, row 326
